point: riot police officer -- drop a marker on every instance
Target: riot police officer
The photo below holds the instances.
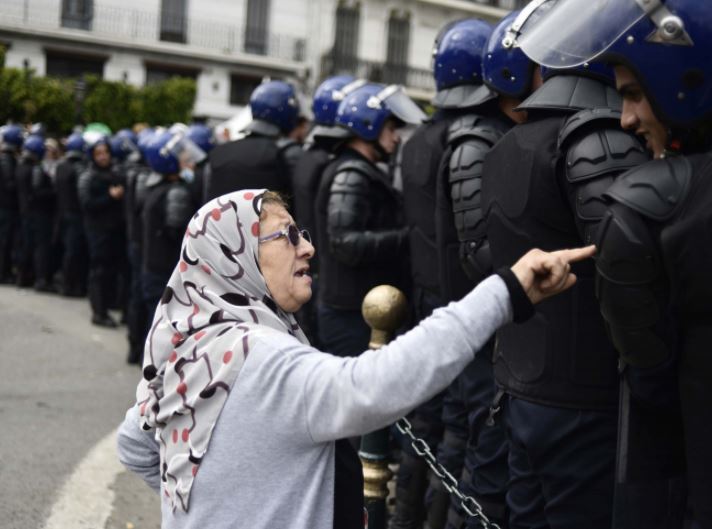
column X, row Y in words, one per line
column 318, row 152
column 203, row 137
column 69, row 214
column 358, row 214
column 37, row 201
column 10, row 144
column 101, row 192
column 167, row 208
column 654, row 246
column 137, row 174
column 265, row 158
column 557, row 373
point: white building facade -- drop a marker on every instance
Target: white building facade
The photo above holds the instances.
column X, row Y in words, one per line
column 229, row 46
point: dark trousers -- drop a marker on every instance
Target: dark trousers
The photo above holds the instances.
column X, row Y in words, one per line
column 137, row 316
column 561, row 464
column 153, row 286
column 74, row 257
column 41, row 227
column 343, row 332
column 107, row 267
column 9, row 226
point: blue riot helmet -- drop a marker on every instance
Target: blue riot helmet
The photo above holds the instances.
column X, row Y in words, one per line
column 144, row 137
column 363, row 112
column 12, row 135
column 75, row 143
column 128, row 134
column 167, row 151
column 122, row 146
column 327, row 98
column 505, row 68
column 35, row 144
column 202, row 136
column 457, row 64
column 275, row 108
column 665, row 43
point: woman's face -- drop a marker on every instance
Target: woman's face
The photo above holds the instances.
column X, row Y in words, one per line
column 284, row 267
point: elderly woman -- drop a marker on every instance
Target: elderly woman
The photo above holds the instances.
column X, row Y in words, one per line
column 237, row 417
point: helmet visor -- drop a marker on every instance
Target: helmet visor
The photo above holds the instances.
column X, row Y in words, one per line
column 401, row 106
column 577, row 31
column 184, row 149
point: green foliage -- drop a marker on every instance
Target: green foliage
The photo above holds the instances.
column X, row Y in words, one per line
column 27, row 98
column 167, row 102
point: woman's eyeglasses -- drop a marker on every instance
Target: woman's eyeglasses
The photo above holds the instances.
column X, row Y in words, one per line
column 291, row 232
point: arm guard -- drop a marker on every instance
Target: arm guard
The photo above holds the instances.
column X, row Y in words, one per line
column 348, row 209
column 471, row 140
column 595, row 151
column 179, row 208
column 631, row 285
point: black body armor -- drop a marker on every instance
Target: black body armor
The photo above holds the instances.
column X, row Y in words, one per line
column 360, row 232
column 166, row 212
column 656, row 298
column 305, row 184
column 420, row 166
column 542, row 182
column 253, row 162
column 66, row 182
column 464, row 248
column 8, row 185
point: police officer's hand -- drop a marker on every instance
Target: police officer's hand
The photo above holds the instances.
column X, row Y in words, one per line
column 544, row 274
column 116, row 192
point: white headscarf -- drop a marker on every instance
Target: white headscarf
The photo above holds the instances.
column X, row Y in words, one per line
column 215, row 300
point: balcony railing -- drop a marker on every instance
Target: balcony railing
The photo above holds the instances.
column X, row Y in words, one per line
column 133, row 25
column 379, row 72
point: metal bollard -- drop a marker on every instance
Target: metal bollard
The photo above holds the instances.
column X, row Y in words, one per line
column 385, row 309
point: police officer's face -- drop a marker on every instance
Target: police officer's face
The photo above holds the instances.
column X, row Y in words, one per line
column 389, row 137
column 284, row 266
column 101, row 155
column 637, row 115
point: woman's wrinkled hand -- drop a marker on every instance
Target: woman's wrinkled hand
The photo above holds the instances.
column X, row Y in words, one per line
column 545, row 274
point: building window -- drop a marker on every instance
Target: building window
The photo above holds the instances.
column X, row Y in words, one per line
column 73, row 65
column 241, row 88
column 173, row 21
column 345, row 52
column 77, row 14
column 257, row 26
column 155, row 73
column 397, row 51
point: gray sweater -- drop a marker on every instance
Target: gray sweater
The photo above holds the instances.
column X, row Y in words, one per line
column 270, row 463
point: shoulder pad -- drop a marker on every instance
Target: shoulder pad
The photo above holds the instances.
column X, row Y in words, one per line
column 654, row 189
column 153, row 179
column 285, row 143
column 474, row 126
column 602, row 117
column 572, row 92
column 359, row 166
column 593, row 144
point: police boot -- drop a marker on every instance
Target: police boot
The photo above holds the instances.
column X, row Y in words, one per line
column 97, row 300
column 410, row 493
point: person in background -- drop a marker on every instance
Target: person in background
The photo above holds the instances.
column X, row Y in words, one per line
column 11, row 139
column 266, row 156
column 101, row 193
column 71, row 226
column 167, row 208
column 37, row 202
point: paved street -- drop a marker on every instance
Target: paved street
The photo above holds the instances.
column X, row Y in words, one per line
column 65, row 387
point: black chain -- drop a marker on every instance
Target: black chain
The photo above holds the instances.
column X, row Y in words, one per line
column 468, row 503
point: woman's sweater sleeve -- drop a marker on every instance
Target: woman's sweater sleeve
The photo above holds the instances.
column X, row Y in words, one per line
column 138, row 450
column 352, row 396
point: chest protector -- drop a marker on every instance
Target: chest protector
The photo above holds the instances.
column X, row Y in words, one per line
column 561, row 356
column 422, row 155
column 253, row 162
